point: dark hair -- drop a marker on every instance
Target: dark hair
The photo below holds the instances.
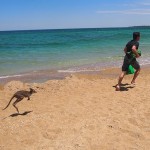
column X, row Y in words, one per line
column 135, row 35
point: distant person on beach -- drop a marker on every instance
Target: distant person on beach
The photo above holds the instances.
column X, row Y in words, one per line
column 131, row 53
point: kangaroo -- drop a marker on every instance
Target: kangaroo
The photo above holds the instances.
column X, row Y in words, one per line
column 20, row 95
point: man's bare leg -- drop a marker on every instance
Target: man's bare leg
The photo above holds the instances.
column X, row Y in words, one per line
column 120, row 80
column 135, row 76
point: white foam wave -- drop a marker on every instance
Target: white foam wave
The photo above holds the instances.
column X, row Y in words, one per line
column 145, row 61
column 11, row 76
column 75, row 71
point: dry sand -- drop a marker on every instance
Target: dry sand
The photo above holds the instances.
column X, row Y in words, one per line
column 82, row 112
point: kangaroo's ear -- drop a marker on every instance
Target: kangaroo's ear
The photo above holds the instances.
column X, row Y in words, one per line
column 33, row 90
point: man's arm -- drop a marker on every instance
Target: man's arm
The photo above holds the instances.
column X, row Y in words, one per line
column 134, row 50
column 125, row 50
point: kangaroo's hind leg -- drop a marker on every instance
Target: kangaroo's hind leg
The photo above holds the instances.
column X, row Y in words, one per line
column 14, row 104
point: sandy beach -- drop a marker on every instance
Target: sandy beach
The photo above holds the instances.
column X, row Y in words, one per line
column 81, row 112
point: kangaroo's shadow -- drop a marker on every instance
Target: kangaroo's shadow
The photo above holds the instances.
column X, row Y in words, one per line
column 20, row 114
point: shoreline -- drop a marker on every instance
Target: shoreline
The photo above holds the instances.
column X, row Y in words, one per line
column 42, row 76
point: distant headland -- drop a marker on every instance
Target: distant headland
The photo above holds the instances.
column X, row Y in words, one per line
column 144, row 26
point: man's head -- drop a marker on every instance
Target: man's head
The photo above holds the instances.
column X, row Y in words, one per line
column 136, row 36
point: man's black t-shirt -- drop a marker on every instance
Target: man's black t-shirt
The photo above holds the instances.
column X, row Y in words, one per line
column 129, row 47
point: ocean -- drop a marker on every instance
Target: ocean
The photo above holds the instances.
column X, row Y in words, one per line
column 38, row 55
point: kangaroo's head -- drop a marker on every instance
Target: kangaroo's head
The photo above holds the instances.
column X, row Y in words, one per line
column 32, row 91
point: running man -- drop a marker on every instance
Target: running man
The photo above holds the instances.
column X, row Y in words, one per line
column 131, row 53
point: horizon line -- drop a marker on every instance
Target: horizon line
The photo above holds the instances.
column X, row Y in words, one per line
column 72, row 28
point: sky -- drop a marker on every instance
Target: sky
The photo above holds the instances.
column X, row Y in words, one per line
column 60, row 14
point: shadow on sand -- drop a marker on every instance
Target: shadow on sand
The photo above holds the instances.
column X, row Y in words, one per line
column 17, row 114
column 20, row 114
column 124, row 87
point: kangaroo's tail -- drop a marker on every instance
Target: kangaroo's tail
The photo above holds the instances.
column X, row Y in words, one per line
column 9, row 103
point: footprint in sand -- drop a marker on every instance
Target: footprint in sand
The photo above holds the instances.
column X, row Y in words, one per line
column 52, row 134
column 133, row 121
column 133, row 134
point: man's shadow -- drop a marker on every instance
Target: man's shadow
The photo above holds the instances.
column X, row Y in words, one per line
column 20, row 114
column 125, row 87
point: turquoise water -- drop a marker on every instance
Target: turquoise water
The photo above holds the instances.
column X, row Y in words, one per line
column 67, row 50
